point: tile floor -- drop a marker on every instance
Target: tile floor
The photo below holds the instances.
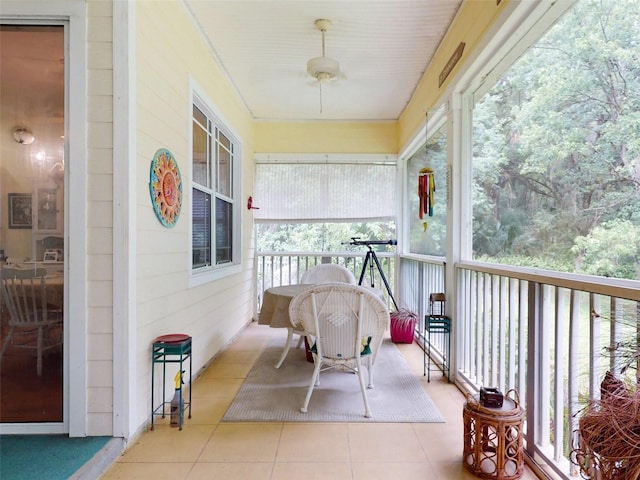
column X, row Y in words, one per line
column 208, row 449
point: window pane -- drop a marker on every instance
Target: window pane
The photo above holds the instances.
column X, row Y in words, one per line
column 224, row 172
column 199, row 116
column 224, row 229
column 201, row 233
column 427, row 235
column 224, row 141
column 200, row 153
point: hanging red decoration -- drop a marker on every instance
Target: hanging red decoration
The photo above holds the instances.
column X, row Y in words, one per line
column 426, row 189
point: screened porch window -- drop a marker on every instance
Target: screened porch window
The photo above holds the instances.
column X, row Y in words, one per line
column 556, row 150
column 316, row 203
column 427, row 235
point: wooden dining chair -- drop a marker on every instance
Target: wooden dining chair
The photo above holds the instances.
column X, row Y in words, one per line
column 345, row 325
column 37, row 325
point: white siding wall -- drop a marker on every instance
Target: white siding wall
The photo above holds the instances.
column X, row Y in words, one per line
column 169, row 55
column 99, row 218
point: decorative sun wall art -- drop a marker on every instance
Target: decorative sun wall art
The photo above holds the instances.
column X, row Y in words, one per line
column 165, row 186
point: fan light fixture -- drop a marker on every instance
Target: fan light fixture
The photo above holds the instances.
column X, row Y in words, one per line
column 23, row 136
column 323, row 68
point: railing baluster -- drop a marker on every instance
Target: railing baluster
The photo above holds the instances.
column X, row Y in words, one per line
column 594, row 347
column 615, row 321
column 486, row 327
column 462, row 326
column 481, row 346
column 558, row 375
column 533, row 368
column 502, row 366
column 637, row 327
column 572, row 376
column 512, row 325
column 523, row 322
column 544, row 392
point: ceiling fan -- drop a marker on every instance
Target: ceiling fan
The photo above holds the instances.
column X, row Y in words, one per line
column 323, row 68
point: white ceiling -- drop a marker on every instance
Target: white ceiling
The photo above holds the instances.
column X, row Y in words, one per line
column 383, row 47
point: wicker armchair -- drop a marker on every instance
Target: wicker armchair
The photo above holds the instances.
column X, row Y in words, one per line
column 318, row 274
column 345, row 325
column 328, row 272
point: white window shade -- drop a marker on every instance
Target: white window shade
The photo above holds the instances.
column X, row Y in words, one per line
column 340, row 189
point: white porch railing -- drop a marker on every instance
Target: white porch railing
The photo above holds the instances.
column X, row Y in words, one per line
column 277, row 268
column 549, row 336
column 420, row 277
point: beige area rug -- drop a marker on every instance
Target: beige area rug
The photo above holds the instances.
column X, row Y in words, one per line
column 275, row 395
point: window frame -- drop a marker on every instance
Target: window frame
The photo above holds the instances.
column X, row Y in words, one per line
column 215, row 271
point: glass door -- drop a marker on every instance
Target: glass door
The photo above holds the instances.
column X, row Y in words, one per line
column 32, row 182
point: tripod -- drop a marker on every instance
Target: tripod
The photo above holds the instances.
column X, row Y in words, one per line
column 369, row 260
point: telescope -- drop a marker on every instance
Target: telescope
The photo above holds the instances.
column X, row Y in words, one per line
column 357, row 241
column 370, row 259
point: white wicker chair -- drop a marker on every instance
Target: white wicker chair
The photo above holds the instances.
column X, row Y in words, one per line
column 328, row 272
column 322, row 273
column 345, row 324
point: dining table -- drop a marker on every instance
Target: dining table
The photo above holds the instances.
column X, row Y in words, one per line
column 275, row 313
column 275, row 305
column 54, row 286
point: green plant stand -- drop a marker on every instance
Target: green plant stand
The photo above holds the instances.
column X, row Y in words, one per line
column 436, row 323
column 173, row 348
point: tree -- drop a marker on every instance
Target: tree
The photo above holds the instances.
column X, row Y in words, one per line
column 557, row 140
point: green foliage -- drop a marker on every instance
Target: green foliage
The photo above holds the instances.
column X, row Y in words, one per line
column 557, row 147
column 320, row 237
column 530, row 262
column 610, row 250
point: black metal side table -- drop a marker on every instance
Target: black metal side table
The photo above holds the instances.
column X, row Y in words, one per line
column 172, row 348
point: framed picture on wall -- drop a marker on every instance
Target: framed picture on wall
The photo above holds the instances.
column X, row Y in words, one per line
column 47, row 213
column 20, row 214
column 50, row 256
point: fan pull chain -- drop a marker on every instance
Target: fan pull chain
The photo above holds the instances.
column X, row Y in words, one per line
column 320, row 97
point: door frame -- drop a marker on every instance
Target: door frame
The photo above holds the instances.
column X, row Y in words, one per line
column 72, row 15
